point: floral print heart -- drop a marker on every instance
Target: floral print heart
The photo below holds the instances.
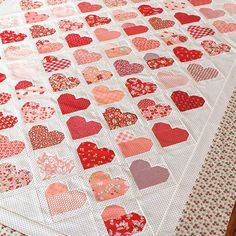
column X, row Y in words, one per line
column 105, row 188
column 213, row 48
column 38, row 31
column 33, row 111
column 91, row 156
column 60, row 82
column 93, row 75
column 138, row 88
column 152, row 110
column 115, row 118
column 12, row 179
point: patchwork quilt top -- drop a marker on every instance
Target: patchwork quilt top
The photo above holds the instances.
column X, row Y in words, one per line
column 105, row 108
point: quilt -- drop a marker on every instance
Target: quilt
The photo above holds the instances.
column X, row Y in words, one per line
column 107, row 111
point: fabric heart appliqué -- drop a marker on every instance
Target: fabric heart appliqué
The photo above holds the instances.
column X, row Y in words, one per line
column 68, row 25
column 38, row 31
column 143, row 44
column 60, row 199
column 147, row 10
column 94, row 20
column 184, row 102
column 88, row 7
column 155, row 61
column 184, row 54
column 118, row 222
column 115, row 3
column 52, row 165
column 171, row 80
column 200, row 73
column 91, row 156
column 167, row 136
column 93, row 75
column 213, row 48
column 105, row 188
column 4, row 98
column 157, row 23
column 197, row 31
column 25, row 89
column 45, row 46
column 224, row 27
column 105, row 34
column 51, row 63
column 41, row 137
column 9, row 36
column 138, row 88
column 30, row 4
column 7, row 122
column 80, row 128
column 123, row 67
column 103, row 95
column 60, row 82
column 12, row 179
column 75, row 40
column 10, row 148
column 171, row 38
column 33, row 112
column 146, row 176
column 116, row 119
column 184, row 18
column 199, row 2
column 83, row 56
column 210, row 13
column 174, row 5
column 130, row 145
column 34, row 17
column 132, row 29
column 150, row 110
column 68, row 103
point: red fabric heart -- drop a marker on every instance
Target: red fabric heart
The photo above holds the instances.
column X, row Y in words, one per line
column 138, row 88
column 68, row 103
column 9, row 36
column 2, row 77
column 116, row 119
column 4, row 98
column 199, row 2
column 184, row 18
column 117, row 226
column 75, row 40
column 90, row 155
column 148, row 10
column 94, row 20
column 7, row 121
column 88, row 7
column 132, row 29
column 167, row 136
column 185, row 55
column 40, row 137
column 80, row 128
column 185, row 102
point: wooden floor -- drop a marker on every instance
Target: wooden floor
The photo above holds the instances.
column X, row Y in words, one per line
column 231, row 231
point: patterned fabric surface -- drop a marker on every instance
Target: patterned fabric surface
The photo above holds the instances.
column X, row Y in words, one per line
column 7, row 231
column 210, row 204
column 103, row 104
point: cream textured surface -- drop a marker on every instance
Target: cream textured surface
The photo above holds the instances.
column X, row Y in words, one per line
column 103, row 91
